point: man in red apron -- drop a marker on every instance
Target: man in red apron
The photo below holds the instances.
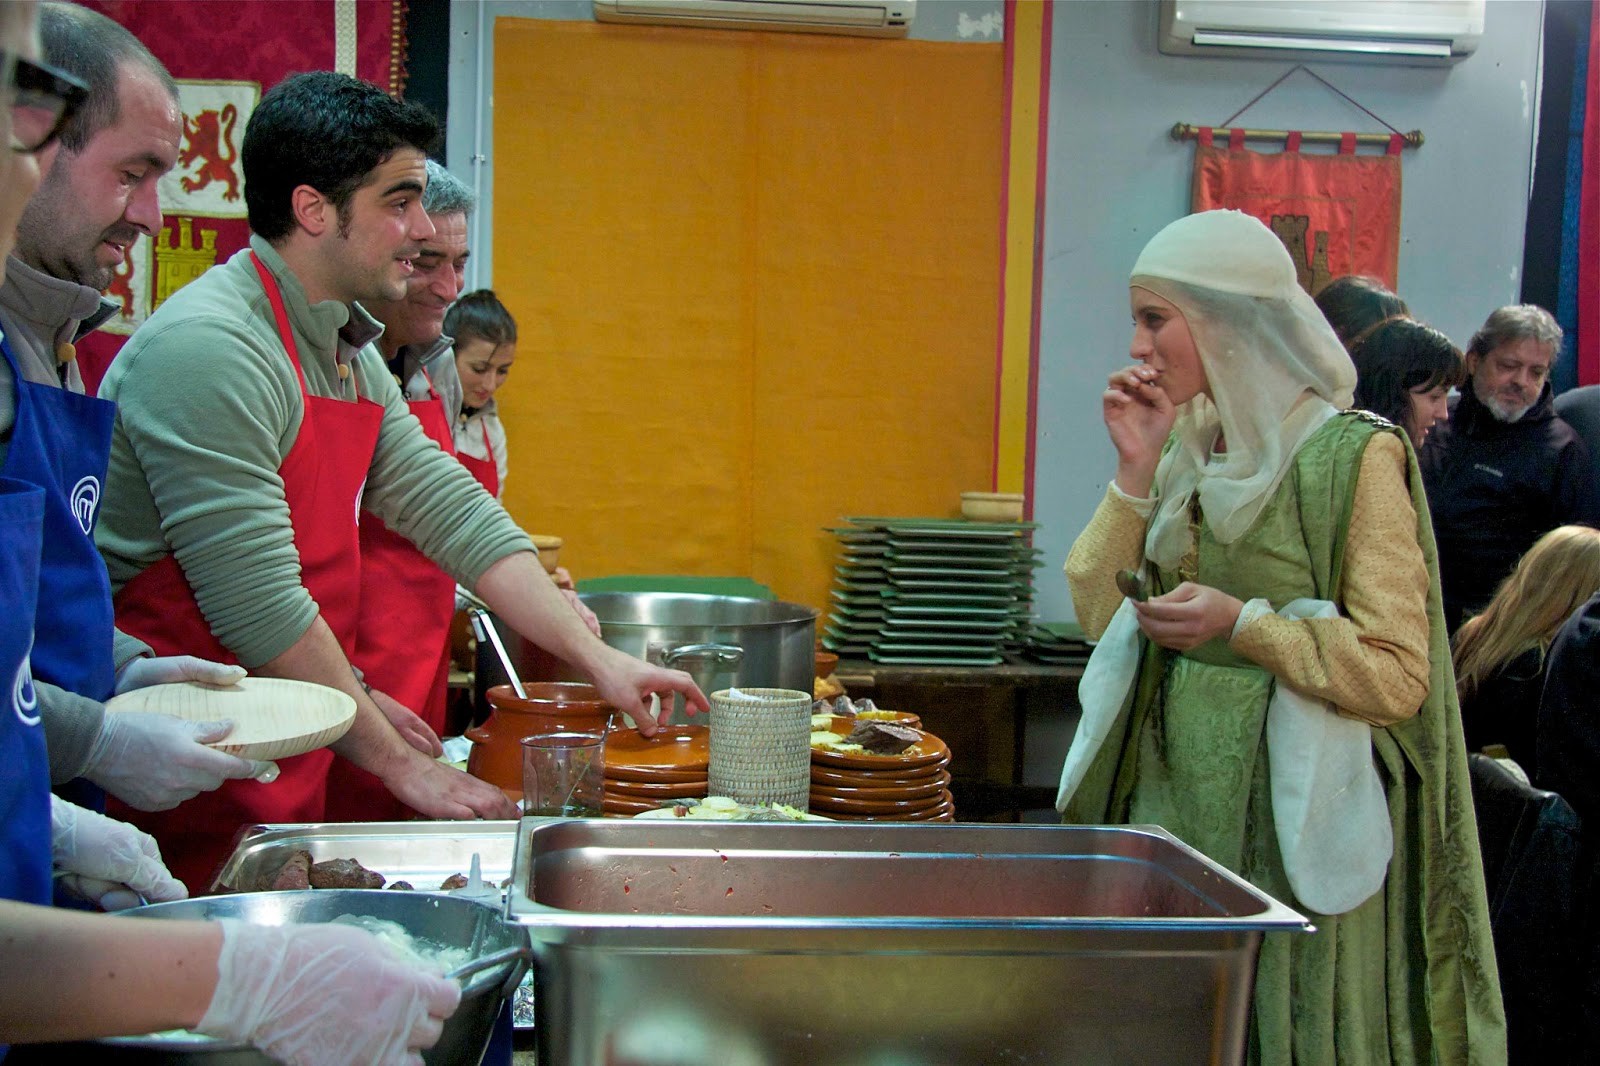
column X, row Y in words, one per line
column 258, row 428
column 398, row 582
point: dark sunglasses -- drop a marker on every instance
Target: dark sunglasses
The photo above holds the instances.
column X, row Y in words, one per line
column 44, row 100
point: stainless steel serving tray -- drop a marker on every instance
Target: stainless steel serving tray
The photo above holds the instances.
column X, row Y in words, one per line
column 659, row 943
column 423, row 853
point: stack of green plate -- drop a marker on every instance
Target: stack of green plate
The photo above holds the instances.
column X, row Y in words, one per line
column 931, row 591
column 1060, row 643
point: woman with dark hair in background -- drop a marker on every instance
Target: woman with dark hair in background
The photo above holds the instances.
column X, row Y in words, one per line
column 1404, row 372
column 1354, row 303
column 1500, row 654
column 486, row 344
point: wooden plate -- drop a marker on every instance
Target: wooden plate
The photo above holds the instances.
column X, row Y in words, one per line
column 648, row 775
column 832, row 805
column 927, row 751
column 273, row 717
column 944, row 811
column 828, row 777
column 924, row 790
column 633, row 790
column 674, row 747
column 613, row 804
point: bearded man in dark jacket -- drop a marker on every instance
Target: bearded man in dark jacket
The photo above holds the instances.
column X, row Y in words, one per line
column 1504, row 470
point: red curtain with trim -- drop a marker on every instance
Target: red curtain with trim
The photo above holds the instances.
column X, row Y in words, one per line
column 1337, row 214
column 224, row 54
column 1589, row 219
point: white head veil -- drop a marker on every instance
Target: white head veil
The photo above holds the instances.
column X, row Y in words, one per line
column 1276, row 371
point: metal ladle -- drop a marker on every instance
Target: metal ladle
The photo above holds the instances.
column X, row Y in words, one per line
column 483, row 628
column 487, row 962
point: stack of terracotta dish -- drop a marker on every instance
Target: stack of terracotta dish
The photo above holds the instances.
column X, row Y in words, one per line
column 643, row 773
column 911, row 786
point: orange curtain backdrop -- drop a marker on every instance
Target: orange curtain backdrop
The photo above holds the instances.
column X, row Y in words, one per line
column 755, row 280
column 1337, row 214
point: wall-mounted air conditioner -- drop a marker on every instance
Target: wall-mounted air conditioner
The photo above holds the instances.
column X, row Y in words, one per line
column 858, row 18
column 1401, row 31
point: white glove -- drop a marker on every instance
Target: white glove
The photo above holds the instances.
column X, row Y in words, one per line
column 310, row 995
column 107, row 861
column 153, row 762
column 143, row 672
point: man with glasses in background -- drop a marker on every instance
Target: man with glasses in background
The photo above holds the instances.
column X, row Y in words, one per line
column 99, row 119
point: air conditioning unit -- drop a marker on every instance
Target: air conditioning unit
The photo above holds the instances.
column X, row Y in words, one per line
column 1403, row 31
column 857, row 18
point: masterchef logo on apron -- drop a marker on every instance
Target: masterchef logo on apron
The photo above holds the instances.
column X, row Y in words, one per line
column 85, row 501
column 24, row 697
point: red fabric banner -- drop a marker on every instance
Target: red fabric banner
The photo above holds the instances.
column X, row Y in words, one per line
column 1589, row 219
column 1337, row 214
column 224, row 54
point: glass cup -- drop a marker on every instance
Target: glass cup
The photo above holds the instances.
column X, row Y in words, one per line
column 563, row 774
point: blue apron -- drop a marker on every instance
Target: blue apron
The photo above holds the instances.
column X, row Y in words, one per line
column 61, row 442
column 24, row 767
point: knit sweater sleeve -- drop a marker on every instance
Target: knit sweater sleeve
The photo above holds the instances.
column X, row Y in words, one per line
column 71, row 725
column 208, row 408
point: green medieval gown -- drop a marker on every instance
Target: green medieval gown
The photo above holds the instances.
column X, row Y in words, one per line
column 1406, row 977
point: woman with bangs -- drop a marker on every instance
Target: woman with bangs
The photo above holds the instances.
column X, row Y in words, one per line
column 1272, row 678
column 1404, row 372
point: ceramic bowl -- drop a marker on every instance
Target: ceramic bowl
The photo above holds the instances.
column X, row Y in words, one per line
column 992, row 506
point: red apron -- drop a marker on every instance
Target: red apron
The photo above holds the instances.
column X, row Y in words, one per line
column 484, row 470
column 403, row 639
column 323, row 476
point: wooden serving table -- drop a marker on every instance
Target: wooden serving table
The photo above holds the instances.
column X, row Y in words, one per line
column 984, row 714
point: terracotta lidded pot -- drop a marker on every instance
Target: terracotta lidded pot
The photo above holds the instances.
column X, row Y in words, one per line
column 551, row 706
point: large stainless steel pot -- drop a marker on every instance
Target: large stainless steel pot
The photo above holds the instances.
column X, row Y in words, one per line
column 722, row 641
column 445, row 920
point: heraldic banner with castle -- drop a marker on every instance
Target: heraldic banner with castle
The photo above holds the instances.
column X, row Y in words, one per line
column 1337, row 214
column 224, row 54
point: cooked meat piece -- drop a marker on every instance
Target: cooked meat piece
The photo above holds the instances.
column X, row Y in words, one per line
column 453, row 881
column 401, row 886
column 293, row 874
column 881, row 738
column 344, row 873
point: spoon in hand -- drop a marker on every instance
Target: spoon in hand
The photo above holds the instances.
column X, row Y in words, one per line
column 1132, row 586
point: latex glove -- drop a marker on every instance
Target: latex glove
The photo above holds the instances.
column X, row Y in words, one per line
column 412, row 729
column 324, row 994
column 153, row 762
column 144, row 672
column 107, row 861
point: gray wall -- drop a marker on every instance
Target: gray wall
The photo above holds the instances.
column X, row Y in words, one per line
column 1115, row 177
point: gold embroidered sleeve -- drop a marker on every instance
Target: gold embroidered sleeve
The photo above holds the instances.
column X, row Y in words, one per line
column 1371, row 663
column 1113, row 540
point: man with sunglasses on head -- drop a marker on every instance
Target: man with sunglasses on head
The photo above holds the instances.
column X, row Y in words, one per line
column 100, row 116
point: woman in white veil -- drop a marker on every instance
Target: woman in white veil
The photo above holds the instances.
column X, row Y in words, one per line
column 1279, row 693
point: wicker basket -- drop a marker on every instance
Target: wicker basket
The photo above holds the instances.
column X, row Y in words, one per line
column 761, row 746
